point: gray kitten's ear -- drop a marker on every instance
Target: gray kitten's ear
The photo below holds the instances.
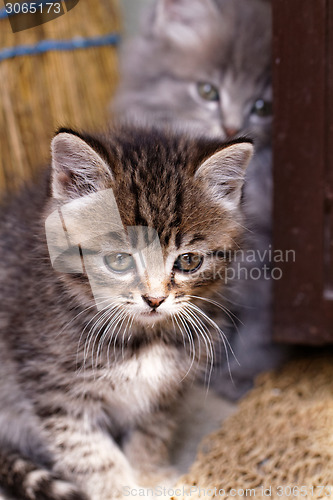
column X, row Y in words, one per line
column 223, row 173
column 182, row 21
column 77, row 169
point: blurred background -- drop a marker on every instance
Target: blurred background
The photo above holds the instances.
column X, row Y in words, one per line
column 61, row 73
column 131, row 12
column 41, row 91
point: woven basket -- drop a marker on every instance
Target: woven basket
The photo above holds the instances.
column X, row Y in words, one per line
column 56, row 84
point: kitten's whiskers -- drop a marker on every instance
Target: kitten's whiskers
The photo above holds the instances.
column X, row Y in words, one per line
column 205, row 334
column 106, row 320
column 191, row 341
column 221, row 334
column 227, row 311
column 100, row 321
column 85, row 328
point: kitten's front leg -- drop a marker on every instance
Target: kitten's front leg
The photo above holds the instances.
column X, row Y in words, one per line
column 148, row 449
column 88, row 456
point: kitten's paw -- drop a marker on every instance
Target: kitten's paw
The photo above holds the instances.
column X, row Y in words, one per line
column 42, row 485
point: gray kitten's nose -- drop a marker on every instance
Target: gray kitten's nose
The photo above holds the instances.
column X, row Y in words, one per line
column 230, row 131
column 153, row 302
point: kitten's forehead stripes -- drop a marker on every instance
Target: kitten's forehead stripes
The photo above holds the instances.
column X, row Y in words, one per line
column 158, row 198
column 178, row 239
column 196, row 238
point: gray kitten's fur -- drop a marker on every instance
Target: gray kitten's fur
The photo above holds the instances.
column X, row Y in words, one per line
column 95, row 352
column 226, row 43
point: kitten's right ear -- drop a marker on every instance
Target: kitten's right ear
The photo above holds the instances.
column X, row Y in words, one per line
column 181, row 21
column 222, row 174
column 77, row 169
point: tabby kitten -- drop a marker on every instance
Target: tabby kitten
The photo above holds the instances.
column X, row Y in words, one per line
column 108, row 269
column 205, row 65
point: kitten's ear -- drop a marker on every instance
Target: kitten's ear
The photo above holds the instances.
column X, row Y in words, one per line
column 77, row 169
column 223, row 173
column 182, row 21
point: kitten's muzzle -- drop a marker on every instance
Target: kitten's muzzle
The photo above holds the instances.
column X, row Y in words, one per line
column 230, row 131
column 153, row 302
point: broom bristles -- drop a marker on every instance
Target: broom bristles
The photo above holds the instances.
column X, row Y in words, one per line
column 39, row 93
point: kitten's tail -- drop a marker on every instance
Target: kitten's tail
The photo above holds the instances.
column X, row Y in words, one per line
column 21, row 478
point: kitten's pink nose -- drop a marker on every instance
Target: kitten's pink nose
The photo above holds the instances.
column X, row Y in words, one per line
column 230, row 131
column 153, row 302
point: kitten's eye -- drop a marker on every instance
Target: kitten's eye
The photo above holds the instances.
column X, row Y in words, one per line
column 188, row 262
column 208, row 91
column 262, row 108
column 119, row 262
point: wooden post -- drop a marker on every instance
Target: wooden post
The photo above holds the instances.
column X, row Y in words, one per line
column 303, row 169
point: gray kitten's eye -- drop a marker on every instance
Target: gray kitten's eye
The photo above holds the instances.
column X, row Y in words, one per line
column 262, row 108
column 188, row 262
column 208, row 91
column 119, row 262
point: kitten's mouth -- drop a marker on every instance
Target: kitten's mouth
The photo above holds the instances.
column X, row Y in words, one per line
column 151, row 317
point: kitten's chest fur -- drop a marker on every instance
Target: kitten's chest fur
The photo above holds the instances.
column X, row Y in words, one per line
column 134, row 386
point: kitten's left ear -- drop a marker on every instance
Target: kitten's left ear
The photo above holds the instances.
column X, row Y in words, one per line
column 223, row 173
column 182, row 21
column 77, row 168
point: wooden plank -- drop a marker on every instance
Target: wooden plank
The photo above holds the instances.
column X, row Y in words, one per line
column 328, row 207
column 300, row 166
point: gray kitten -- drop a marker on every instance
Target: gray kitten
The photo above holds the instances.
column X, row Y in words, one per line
column 205, row 66
column 109, row 273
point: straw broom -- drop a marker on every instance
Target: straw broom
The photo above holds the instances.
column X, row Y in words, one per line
column 39, row 93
